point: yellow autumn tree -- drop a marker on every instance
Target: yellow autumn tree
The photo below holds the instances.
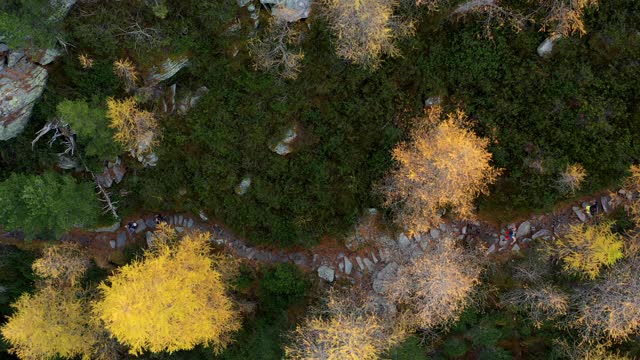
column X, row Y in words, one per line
column 135, row 129
column 125, row 70
column 435, row 287
column 586, row 249
column 608, row 310
column 348, row 328
column 571, row 179
column 565, row 17
column 443, row 165
column 63, row 263
column 171, row 299
column 366, row 30
column 52, row 322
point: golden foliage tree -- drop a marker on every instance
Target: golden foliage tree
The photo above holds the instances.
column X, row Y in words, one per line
column 609, row 310
column 444, row 165
column 273, row 51
column 172, row 299
column 436, row 287
column 366, row 30
column 125, row 70
column 85, row 61
column 564, row 17
column 347, row 329
column 55, row 320
column 64, row 263
column 491, row 14
column 571, row 179
column 135, row 129
column 48, row 323
column 586, row 249
column 541, row 303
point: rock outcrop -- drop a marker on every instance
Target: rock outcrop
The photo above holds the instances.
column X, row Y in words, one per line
column 288, row 10
column 21, row 84
column 166, row 70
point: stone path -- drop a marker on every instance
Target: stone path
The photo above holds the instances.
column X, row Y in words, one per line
column 368, row 265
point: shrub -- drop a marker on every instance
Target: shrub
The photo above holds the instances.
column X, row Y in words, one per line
column 46, row 205
column 282, row 286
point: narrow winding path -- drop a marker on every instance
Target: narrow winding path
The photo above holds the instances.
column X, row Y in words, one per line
column 369, row 264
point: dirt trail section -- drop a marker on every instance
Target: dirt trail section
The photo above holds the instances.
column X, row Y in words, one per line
column 369, row 255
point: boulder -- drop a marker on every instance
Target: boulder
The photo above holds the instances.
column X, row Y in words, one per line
column 283, row 147
column 433, row 101
column 348, row 265
column 149, row 236
column 523, row 230
column 121, row 239
column 581, row 215
column 190, row 100
column 491, row 249
column 326, row 273
column 111, row 228
column 141, row 226
column 244, row 185
column 546, row 47
column 45, row 56
column 288, row 10
column 435, row 233
column 383, row 276
column 403, row 241
column 166, row 70
column 605, row 204
column 67, row 163
column 368, row 264
column 60, row 9
column 542, row 233
column 21, row 84
column 360, row 263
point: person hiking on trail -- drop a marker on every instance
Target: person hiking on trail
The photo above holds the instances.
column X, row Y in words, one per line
column 512, row 235
column 159, row 219
column 591, row 209
column 132, row 226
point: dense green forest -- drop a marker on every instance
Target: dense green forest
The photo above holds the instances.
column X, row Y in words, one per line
column 213, row 126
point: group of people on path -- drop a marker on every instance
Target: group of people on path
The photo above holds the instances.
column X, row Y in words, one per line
column 132, row 226
column 510, row 234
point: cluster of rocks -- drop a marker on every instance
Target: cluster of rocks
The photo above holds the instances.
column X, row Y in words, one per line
column 112, row 173
column 285, row 145
column 281, row 10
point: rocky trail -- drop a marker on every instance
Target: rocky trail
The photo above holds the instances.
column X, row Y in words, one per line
column 371, row 255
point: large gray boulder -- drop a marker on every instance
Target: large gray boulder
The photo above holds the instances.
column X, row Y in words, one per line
column 288, row 10
column 60, row 9
column 21, row 84
column 546, row 47
column 166, row 70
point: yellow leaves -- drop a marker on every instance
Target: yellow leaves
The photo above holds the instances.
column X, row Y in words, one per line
column 586, row 249
column 50, row 322
column 125, row 70
column 564, row 17
column 366, row 30
column 85, row 61
column 170, row 300
column 444, row 165
column 348, row 330
column 64, row 263
column 571, row 179
column 135, row 128
column 436, row 286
